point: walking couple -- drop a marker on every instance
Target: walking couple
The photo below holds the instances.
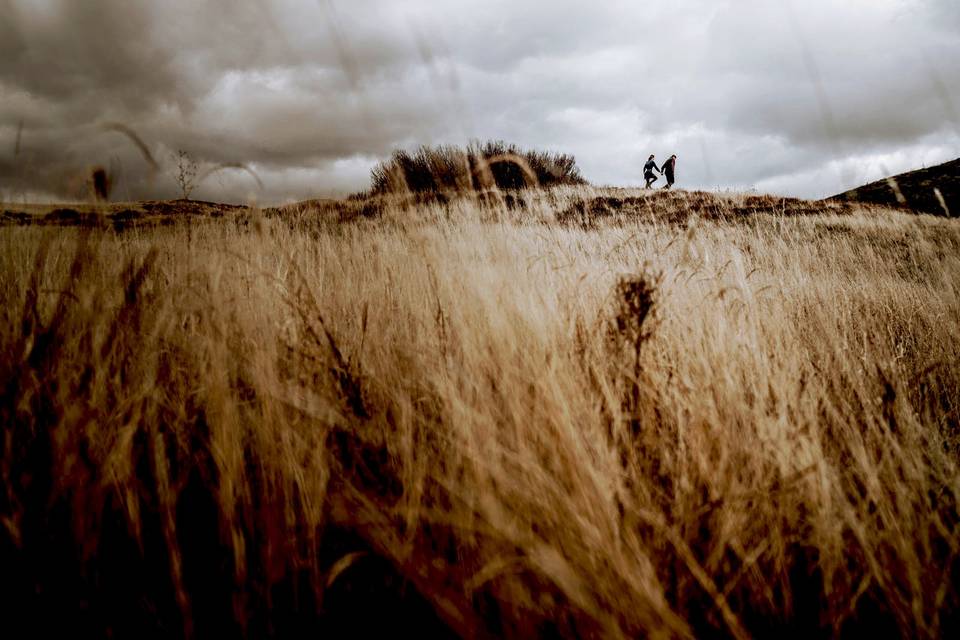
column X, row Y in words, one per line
column 668, row 169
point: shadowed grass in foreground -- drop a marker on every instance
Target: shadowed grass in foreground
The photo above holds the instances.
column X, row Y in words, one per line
column 421, row 420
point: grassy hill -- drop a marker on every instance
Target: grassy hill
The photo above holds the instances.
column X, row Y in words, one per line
column 916, row 190
column 578, row 206
column 566, row 413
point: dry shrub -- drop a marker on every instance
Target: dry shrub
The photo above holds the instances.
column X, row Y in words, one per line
column 476, row 168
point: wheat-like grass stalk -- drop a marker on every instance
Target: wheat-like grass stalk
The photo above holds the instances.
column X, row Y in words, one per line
column 515, row 418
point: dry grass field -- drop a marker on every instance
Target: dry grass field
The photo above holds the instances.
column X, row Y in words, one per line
column 576, row 413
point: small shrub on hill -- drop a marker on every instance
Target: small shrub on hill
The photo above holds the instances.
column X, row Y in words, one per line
column 478, row 167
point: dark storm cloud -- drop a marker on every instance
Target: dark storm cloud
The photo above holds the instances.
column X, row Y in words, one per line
column 91, row 55
column 801, row 98
column 261, row 83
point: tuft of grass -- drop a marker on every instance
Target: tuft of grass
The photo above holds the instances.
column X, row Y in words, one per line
column 479, row 167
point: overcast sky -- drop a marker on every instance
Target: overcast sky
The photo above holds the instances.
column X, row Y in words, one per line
column 797, row 98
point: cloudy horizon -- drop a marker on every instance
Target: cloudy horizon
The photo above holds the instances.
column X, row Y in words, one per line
column 800, row 99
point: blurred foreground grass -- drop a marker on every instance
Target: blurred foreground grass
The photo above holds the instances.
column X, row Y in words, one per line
column 578, row 413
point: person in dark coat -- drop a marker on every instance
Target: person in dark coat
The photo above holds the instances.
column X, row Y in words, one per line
column 648, row 171
column 669, row 168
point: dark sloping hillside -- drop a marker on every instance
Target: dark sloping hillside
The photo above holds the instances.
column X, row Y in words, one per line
column 915, row 189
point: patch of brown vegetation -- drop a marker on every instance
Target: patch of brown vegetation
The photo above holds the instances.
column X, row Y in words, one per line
column 459, row 417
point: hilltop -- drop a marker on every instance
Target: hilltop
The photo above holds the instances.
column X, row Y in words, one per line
column 915, row 190
column 578, row 206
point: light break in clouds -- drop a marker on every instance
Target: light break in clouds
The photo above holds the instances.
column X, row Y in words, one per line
column 798, row 98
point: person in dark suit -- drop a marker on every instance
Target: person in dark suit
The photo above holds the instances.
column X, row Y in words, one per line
column 648, row 171
column 669, row 169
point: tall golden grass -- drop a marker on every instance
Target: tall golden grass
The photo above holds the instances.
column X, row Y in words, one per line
column 485, row 421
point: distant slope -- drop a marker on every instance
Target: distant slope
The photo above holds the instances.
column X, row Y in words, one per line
column 916, row 190
column 119, row 215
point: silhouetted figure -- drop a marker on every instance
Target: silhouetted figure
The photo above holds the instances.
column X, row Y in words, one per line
column 648, row 171
column 669, row 168
column 101, row 184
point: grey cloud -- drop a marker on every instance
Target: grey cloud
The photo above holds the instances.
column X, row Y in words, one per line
column 863, row 87
column 945, row 14
column 93, row 54
column 310, row 94
column 200, row 76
